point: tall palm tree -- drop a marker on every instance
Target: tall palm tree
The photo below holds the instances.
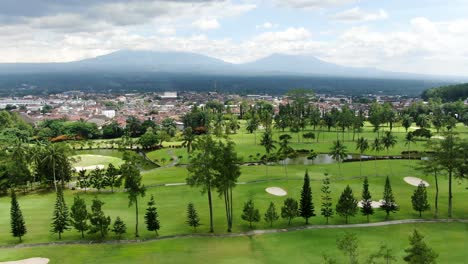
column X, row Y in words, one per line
column 285, row 150
column 338, row 153
column 389, row 141
column 409, row 138
column 54, row 155
column 269, row 144
column 376, row 146
column 189, row 137
column 362, row 145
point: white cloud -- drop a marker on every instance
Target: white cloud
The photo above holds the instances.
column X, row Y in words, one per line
column 166, row 30
column 206, row 24
column 314, row 3
column 266, row 25
column 357, row 15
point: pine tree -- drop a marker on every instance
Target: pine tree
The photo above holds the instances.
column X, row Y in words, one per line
column 151, row 217
column 306, row 209
column 347, row 204
column 99, row 222
column 18, row 227
column 192, row 216
column 419, row 199
column 79, row 215
column 290, row 209
column 249, row 213
column 119, row 227
column 326, row 209
column 60, row 218
column 366, row 208
column 271, row 215
column 419, row 252
column 388, row 203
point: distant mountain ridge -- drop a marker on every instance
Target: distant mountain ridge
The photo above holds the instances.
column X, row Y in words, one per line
column 192, row 63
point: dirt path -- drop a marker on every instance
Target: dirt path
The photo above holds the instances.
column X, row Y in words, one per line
column 241, row 234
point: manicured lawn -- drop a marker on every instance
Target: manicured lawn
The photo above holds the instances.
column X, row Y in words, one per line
column 87, row 160
column 308, row 246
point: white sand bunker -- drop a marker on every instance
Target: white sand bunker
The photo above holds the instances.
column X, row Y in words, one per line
column 374, row 204
column 276, row 191
column 415, row 181
column 100, row 166
column 28, row 261
column 438, row 137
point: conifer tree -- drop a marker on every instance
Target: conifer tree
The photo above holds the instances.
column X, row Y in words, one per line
column 419, row 252
column 366, row 208
column 271, row 215
column 419, row 199
column 151, row 217
column 192, row 216
column 306, row 209
column 290, row 209
column 347, row 204
column 249, row 213
column 326, row 209
column 18, row 226
column 79, row 215
column 99, row 221
column 60, row 218
column 119, row 227
column 388, row 203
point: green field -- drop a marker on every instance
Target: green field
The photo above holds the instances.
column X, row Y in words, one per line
column 449, row 240
column 86, row 160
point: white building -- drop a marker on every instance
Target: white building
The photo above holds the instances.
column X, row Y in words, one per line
column 108, row 113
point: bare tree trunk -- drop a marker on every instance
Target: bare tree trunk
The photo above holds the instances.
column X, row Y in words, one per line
column 211, row 209
column 136, row 215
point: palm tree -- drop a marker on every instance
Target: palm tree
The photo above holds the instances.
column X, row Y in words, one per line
column 269, row 143
column 389, row 141
column 285, row 150
column 409, row 138
column 54, row 155
column 338, row 153
column 362, row 145
column 189, row 137
column 377, row 147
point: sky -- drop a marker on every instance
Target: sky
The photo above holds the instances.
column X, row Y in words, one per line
column 418, row 36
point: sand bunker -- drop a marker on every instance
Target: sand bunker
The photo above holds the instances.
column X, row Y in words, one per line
column 415, row 181
column 438, row 137
column 374, row 204
column 276, row 191
column 28, row 261
column 100, row 166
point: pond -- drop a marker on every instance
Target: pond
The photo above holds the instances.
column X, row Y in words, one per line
column 320, row 159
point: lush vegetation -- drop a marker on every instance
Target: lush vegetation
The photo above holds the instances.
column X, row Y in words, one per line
column 447, row 93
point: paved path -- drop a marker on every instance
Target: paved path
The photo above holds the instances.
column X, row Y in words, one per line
column 241, row 234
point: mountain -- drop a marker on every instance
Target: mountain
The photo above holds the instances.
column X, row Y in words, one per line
column 130, row 61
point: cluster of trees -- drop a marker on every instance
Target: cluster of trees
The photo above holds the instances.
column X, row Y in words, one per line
column 418, row 251
column 448, row 93
column 100, row 178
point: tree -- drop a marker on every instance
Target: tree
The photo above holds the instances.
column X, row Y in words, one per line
column 226, row 165
column 385, row 253
column 119, row 227
column 201, row 169
column 189, row 137
column 389, row 141
column 326, row 209
column 18, row 226
column 348, row 244
column 193, row 219
column 406, row 121
column 132, row 177
column 112, row 177
column 409, row 138
column 338, row 153
column 60, row 218
column 419, row 252
column 79, row 215
column 97, row 179
column 377, row 146
column 151, row 217
column 99, row 222
column 388, row 203
column 290, row 209
column 249, row 213
column 366, row 208
column 419, row 199
column 347, row 204
column 83, row 180
column 362, row 145
column 430, row 166
column 271, row 215
column 269, row 144
column 55, row 157
column 149, row 139
column 306, row 209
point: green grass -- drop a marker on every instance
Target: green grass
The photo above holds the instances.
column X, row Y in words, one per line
column 448, row 240
column 86, row 160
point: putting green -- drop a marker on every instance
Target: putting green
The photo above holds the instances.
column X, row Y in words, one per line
column 94, row 160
